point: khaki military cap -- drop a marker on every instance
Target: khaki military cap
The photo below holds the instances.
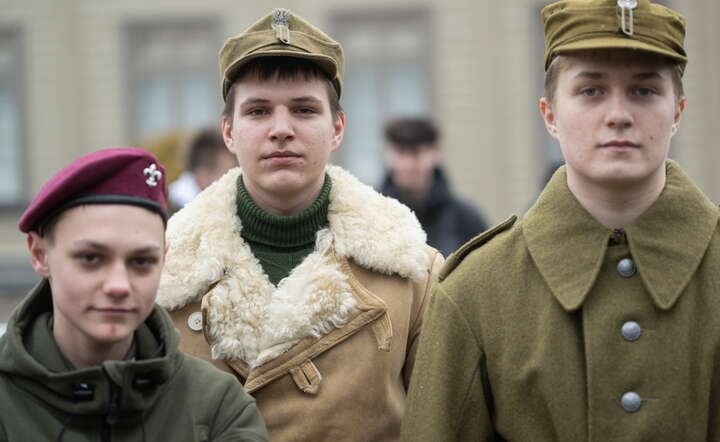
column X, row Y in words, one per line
column 281, row 34
column 576, row 25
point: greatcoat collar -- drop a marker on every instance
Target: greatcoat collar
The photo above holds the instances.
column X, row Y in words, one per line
column 667, row 242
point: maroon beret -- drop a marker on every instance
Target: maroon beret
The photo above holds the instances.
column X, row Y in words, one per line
column 107, row 176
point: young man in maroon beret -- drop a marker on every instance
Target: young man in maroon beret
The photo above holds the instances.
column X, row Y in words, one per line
column 595, row 317
column 304, row 283
column 87, row 355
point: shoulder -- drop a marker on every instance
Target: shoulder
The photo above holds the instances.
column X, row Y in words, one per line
column 455, row 259
column 454, row 263
column 214, row 380
column 209, row 389
column 220, row 401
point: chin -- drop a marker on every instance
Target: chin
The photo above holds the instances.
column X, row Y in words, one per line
column 112, row 334
column 285, row 185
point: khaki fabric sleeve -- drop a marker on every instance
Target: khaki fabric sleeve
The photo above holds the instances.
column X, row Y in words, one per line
column 447, row 400
column 436, row 261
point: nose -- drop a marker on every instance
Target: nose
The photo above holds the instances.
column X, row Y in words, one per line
column 117, row 282
column 619, row 114
column 282, row 128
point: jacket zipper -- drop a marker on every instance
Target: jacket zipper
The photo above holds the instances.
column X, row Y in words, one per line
column 111, row 417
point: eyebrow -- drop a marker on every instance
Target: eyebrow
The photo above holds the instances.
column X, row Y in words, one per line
column 303, row 99
column 102, row 247
column 648, row 76
column 306, row 98
column 252, row 100
column 652, row 75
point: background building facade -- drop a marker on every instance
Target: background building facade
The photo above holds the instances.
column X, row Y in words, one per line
column 77, row 75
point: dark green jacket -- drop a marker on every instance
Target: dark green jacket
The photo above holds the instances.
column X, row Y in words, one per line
column 530, row 336
column 160, row 395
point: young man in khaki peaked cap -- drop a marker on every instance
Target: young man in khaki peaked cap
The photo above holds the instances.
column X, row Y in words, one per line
column 304, row 283
column 594, row 318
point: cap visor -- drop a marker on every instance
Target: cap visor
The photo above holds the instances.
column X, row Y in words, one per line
column 616, row 43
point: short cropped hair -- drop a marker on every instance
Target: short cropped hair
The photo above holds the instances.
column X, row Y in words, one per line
column 411, row 133
column 204, row 148
column 282, row 68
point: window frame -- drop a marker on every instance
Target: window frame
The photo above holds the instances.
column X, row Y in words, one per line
column 16, row 34
column 134, row 73
column 377, row 18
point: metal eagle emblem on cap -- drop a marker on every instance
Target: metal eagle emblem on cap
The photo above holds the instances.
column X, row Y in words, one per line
column 281, row 24
column 153, row 175
column 626, row 23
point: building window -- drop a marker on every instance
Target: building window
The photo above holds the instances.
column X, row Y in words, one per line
column 11, row 118
column 387, row 74
column 173, row 79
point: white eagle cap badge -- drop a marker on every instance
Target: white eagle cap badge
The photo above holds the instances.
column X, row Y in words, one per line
column 281, row 24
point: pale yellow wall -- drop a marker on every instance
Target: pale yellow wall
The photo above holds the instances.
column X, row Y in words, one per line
column 486, row 77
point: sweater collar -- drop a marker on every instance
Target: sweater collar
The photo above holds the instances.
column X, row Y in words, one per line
column 667, row 242
column 285, row 232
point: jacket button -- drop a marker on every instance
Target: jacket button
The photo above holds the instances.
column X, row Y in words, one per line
column 630, row 402
column 626, row 267
column 631, row 331
column 194, row 321
column 83, row 391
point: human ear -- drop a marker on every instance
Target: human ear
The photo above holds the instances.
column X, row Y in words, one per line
column 38, row 248
column 338, row 130
column 226, row 129
column 548, row 115
column 679, row 109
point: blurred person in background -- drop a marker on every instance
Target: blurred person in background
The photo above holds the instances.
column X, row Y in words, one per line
column 207, row 159
column 87, row 355
column 416, row 178
column 303, row 282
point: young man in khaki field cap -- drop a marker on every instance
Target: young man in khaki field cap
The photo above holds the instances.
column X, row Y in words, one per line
column 594, row 318
column 291, row 274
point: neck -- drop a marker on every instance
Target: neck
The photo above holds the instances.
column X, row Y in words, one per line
column 619, row 205
column 285, row 205
column 83, row 353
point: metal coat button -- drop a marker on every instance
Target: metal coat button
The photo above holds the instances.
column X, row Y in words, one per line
column 194, row 321
column 631, row 331
column 626, row 267
column 630, row 402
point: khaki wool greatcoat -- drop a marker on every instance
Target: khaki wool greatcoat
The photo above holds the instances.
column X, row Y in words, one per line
column 327, row 353
column 523, row 339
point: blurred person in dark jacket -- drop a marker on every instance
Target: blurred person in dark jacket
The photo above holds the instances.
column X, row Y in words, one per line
column 416, row 178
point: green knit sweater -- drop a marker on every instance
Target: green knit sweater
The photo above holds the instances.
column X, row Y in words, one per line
column 280, row 243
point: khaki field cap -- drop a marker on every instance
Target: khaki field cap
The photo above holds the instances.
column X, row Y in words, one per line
column 575, row 25
column 281, row 34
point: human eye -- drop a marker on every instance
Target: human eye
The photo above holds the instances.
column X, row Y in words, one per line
column 256, row 111
column 306, row 110
column 589, row 91
column 643, row 91
column 144, row 262
column 88, row 259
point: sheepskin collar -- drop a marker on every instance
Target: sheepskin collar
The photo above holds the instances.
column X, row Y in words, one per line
column 248, row 317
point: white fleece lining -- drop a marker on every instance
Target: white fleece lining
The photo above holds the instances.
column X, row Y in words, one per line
column 249, row 318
